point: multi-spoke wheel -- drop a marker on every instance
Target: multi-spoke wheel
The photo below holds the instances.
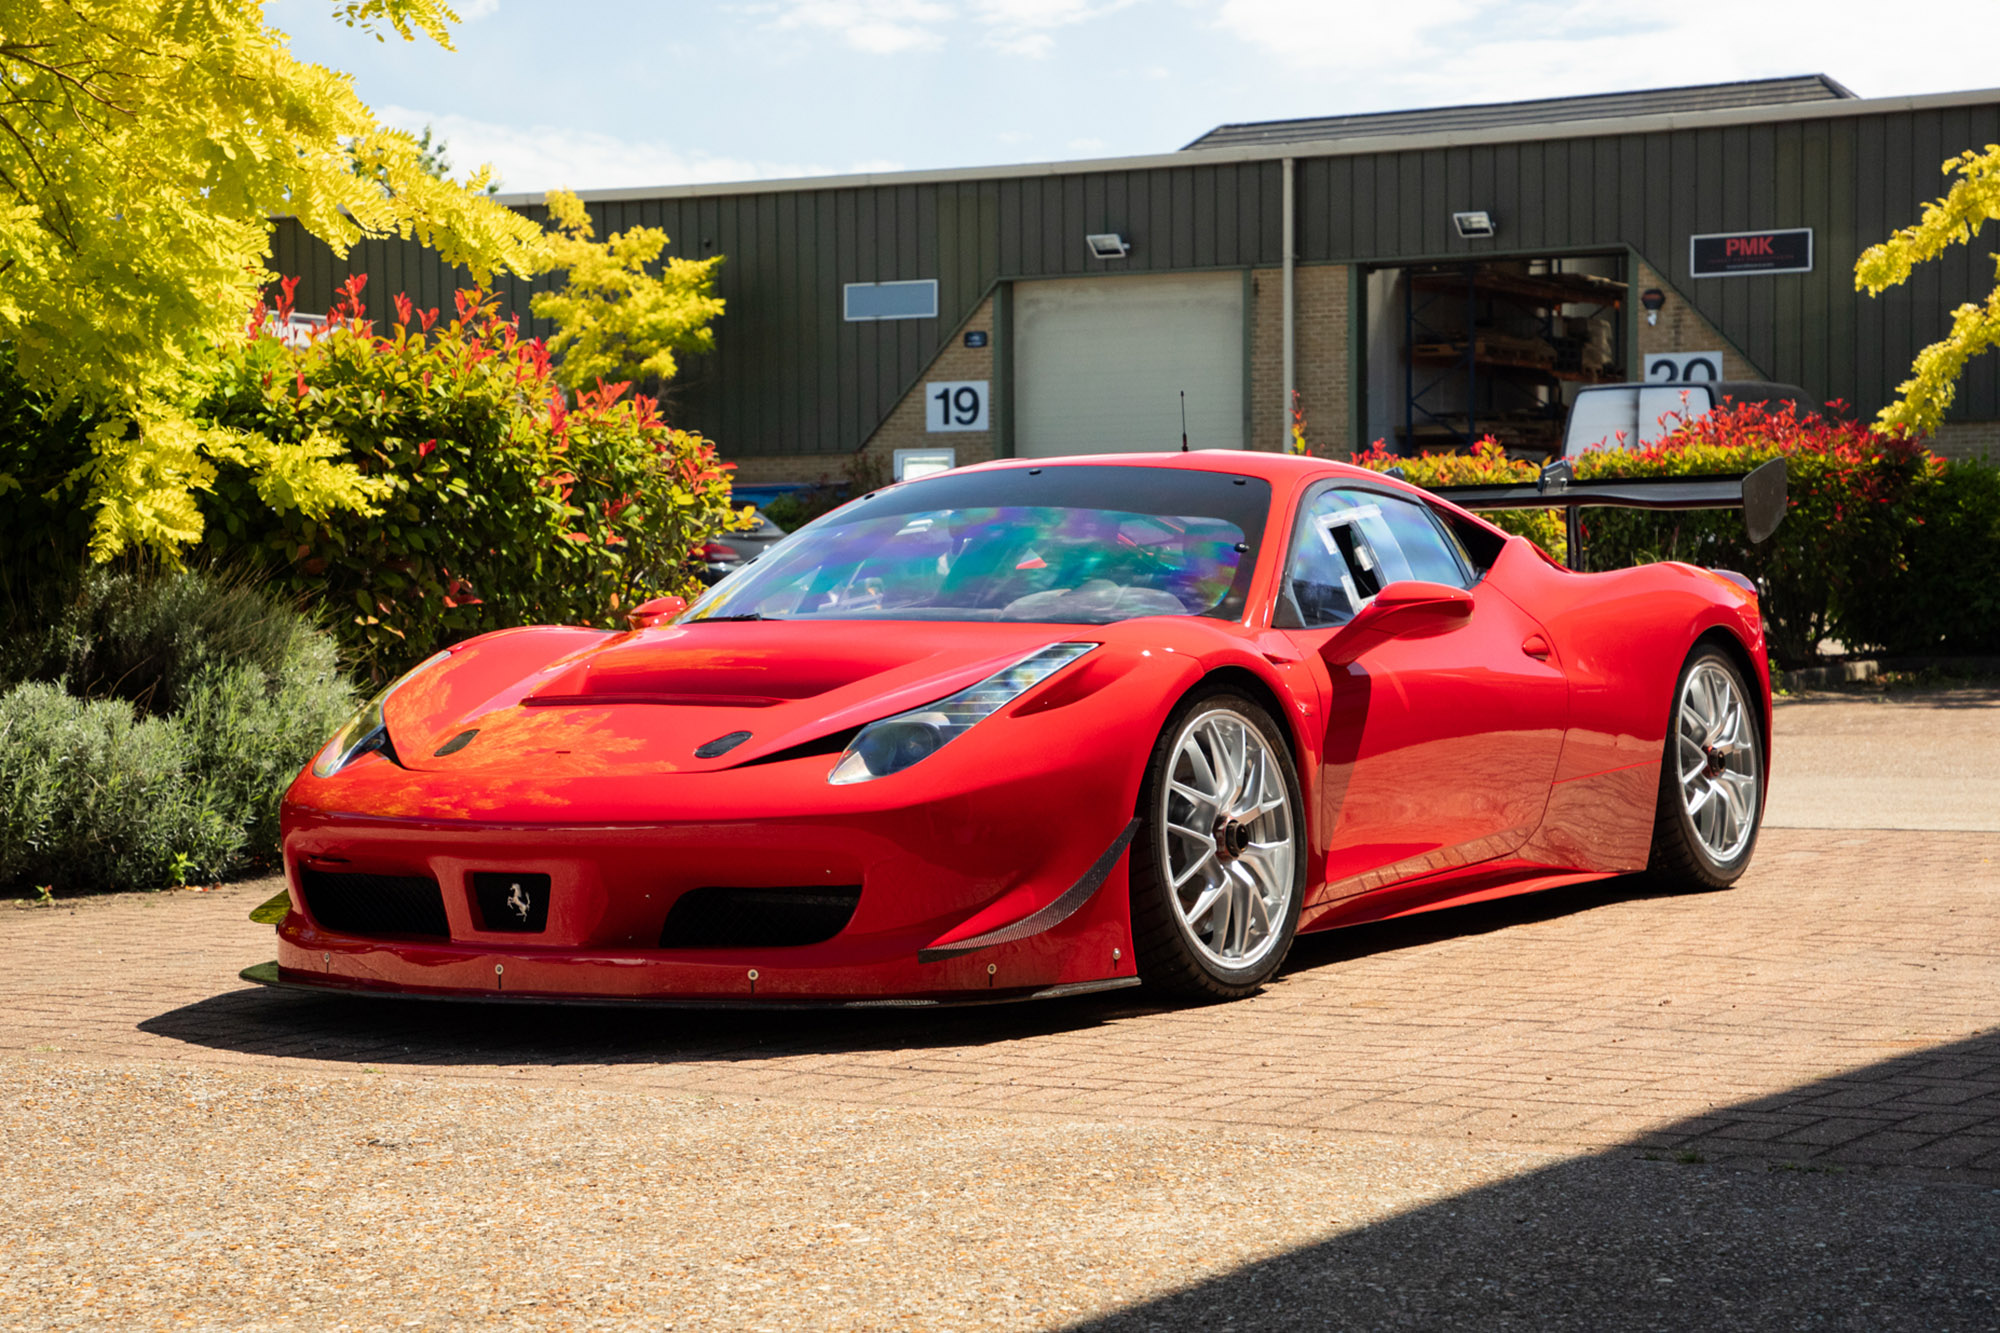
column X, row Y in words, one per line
column 1218, row 866
column 1712, row 779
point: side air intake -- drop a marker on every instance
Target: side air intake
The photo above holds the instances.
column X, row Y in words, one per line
column 402, row 906
column 736, row 918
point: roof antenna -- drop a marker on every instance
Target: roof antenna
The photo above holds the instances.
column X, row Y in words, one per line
column 1184, row 421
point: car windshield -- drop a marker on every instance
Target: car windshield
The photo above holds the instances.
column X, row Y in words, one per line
column 1066, row 544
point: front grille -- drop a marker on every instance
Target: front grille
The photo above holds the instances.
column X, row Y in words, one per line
column 404, row 905
column 735, row 918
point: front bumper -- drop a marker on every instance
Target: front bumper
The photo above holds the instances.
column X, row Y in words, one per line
column 950, row 906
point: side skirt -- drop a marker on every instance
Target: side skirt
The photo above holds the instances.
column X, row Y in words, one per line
column 1435, row 894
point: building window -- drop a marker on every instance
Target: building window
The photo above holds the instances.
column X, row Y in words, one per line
column 892, row 300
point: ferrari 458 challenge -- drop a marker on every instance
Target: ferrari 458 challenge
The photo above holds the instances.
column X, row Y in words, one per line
column 1034, row 728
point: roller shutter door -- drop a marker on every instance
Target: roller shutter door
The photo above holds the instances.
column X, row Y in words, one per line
column 1100, row 363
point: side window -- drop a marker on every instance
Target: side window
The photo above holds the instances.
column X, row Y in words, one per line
column 1352, row 544
column 1431, row 553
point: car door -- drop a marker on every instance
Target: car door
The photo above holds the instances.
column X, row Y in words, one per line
column 1440, row 747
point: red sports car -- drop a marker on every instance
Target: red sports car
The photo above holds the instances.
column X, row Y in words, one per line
column 1034, row 728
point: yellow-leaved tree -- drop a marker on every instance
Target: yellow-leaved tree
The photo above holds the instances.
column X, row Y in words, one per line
column 144, row 147
column 615, row 320
column 1972, row 201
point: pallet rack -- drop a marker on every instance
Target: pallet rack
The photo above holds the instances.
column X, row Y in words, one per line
column 1514, row 360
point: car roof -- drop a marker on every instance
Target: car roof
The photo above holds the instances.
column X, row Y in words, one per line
column 1282, row 470
column 1240, row 462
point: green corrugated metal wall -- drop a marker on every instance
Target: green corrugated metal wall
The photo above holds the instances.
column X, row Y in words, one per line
column 791, row 377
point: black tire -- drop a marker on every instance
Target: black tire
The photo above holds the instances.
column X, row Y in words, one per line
column 1171, row 954
column 1686, row 855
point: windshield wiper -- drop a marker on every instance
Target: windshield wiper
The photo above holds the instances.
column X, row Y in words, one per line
column 751, row 615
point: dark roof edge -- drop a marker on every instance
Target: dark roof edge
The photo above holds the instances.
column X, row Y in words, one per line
column 1831, row 109
column 1839, row 91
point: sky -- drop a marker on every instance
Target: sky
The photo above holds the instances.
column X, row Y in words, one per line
column 602, row 94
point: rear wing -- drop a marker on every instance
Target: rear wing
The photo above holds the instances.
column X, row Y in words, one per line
column 1759, row 493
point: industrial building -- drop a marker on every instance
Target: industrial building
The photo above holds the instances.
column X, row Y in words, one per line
column 1417, row 278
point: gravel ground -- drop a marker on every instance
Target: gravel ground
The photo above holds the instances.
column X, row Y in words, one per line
column 166, row 1198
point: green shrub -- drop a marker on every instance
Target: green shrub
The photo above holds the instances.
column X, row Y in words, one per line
column 93, row 797
column 795, row 509
column 1853, row 492
column 143, row 635
column 1849, row 485
column 248, row 732
column 1486, row 465
column 103, row 785
column 860, row 474
column 1930, row 581
column 501, row 502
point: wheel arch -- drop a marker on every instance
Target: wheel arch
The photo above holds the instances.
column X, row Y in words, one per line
column 1259, row 689
column 1303, row 751
column 1739, row 653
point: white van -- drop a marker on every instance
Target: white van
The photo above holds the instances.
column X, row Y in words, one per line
column 1642, row 413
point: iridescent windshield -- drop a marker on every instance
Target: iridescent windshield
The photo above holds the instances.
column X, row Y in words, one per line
column 1092, row 554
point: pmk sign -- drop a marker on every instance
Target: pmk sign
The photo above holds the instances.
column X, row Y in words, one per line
column 1732, row 254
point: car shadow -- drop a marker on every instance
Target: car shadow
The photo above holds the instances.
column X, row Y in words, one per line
column 1808, row 1209
column 1409, row 932
column 378, row 1030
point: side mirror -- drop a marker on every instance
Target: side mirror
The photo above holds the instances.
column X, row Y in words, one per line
column 1408, row 609
column 658, row 611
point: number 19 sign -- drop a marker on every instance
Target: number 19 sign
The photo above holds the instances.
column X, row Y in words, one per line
column 955, row 405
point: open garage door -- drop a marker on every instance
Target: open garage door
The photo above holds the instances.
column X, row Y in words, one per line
column 1100, row 363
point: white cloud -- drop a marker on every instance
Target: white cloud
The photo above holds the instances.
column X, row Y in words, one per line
column 1439, row 52
column 544, row 157
column 891, row 27
column 1026, row 27
column 879, row 27
column 471, row 11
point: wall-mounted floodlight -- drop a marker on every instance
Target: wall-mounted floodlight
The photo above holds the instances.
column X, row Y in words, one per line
column 1653, row 299
column 1107, row 245
column 1473, row 225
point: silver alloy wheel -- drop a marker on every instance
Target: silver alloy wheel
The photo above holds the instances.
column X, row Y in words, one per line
column 1228, row 839
column 1717, row 762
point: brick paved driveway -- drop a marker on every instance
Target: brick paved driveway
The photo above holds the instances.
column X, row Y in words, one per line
column 1838, row 1011
column 1576, row 1019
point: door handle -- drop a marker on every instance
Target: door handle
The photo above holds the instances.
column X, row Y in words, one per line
column 1536, row 647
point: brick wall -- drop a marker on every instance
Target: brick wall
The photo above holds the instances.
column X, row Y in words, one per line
column 1320, row 304
column 1968, row 439
column 1682, row 328
column 905, row 427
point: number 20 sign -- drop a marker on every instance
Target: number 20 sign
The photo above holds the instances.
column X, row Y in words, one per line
column 955, row 405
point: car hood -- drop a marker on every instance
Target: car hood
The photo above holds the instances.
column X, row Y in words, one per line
column 576, row 702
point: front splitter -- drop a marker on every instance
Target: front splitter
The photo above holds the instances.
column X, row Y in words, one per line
column 267, row 974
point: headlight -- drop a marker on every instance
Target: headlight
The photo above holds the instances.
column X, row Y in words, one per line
column 894, row 743
column 366, row 732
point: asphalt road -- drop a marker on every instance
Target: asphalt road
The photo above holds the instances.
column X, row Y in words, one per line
column 1776, row 1107
column 1887, row 761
